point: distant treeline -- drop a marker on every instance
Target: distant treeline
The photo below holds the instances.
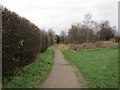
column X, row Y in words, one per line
column 89, row 31
column 22, row 41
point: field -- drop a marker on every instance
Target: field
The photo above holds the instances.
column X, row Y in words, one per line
column 34, row 74
column 99, row 67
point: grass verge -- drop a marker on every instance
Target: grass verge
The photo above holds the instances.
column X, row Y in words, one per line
column 99, row 67
column 34, row 74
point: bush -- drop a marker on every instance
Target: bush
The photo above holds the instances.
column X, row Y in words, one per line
column 22, row 42
column 45, row 41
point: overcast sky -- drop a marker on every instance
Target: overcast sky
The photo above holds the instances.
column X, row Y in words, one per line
column 60, row 14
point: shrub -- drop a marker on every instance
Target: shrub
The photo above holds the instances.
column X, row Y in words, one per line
column 22, row 42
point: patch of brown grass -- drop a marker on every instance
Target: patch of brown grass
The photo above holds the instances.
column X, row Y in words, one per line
column 95, row 45
column 64, row 46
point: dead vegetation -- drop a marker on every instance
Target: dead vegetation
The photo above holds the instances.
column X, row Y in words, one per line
column 89, row 46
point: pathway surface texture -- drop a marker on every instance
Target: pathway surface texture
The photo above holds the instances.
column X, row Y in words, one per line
column 62, row 75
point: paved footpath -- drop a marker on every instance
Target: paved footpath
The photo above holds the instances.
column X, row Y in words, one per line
column 62, row 74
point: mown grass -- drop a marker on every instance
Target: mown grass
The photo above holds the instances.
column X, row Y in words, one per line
column 99, row 67
column 34, row 74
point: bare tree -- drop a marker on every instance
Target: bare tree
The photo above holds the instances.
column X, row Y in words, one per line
column 51, row 35
column 106, row 31
column 72, row 34
column 63, row 36
column 88, row 22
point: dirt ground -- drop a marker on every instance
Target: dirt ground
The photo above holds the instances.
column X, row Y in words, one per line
column 63, row 75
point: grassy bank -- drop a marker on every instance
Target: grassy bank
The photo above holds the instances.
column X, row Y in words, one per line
column 99, row 67
column 34, row 74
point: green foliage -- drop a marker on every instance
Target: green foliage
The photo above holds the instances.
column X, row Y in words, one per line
column 99, row 67
column 34, row 74
column 20, row 43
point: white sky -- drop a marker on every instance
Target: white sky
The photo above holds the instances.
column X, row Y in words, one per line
column 60, row 14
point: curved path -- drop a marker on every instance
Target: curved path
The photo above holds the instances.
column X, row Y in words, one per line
column 62, row 75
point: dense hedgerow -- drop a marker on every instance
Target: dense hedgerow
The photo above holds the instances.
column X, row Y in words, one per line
column 22, row 41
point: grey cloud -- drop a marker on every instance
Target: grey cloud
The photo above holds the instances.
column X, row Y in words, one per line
column 60, row 14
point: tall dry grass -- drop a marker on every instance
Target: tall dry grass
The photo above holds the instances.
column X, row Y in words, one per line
column 88, row 46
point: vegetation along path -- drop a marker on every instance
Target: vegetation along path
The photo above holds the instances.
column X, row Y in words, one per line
column 63, row 75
